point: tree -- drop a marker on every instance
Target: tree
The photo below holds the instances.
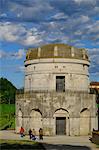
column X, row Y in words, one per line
column 7, row 91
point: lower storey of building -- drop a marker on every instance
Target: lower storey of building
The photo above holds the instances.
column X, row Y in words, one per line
column 69, row 113
column 60, row 124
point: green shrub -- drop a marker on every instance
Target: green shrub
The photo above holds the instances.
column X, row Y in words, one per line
column 7, row 116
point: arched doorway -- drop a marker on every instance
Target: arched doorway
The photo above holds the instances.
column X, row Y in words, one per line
column 84, row 122
column 61, row 122
column 35, row 120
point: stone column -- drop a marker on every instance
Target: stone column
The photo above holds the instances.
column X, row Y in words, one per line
column 39, row 52
column 55, row 51
column 72, row 51
column 84, row 54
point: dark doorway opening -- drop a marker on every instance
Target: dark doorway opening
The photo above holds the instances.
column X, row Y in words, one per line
column 60, row 83
column 60, row 125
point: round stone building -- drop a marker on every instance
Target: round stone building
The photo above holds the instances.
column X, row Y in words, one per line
column 56, row 92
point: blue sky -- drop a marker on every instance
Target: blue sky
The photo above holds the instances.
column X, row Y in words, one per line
column 31, row 23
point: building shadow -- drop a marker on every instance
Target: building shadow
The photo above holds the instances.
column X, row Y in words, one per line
column 41, row 146
column 64, row 147
column 6, row 146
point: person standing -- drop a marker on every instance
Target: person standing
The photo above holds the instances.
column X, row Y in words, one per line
column 22, row 131
column 34, row 132
column 30, row 133
column 41, row 134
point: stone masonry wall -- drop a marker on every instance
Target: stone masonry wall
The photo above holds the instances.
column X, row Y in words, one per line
column 47, row 104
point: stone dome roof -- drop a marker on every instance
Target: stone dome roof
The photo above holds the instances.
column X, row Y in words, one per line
column 56, row 51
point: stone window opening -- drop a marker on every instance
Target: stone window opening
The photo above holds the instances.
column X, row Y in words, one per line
column 60, row 83
column 56, row 66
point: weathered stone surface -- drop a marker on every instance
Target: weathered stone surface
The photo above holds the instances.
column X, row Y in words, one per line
column 47, row 106
column 40, row 106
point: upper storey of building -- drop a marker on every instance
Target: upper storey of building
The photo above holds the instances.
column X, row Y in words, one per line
column 57, row 51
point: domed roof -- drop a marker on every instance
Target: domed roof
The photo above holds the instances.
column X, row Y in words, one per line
column 56, row 51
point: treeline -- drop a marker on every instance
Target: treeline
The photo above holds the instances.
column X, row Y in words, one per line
column 7, row 91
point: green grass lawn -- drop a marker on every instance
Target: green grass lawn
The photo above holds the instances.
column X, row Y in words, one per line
column 7, row 116
column 20, row 145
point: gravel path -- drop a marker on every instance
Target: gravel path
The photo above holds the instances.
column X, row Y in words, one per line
column 56, row 142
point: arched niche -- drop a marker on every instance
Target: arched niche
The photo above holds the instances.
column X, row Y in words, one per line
column 35, row 120
column 61, row 112
column 62, row 123
column 85, row 121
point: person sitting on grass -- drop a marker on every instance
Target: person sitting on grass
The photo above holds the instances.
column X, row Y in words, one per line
column 33, row 137
column 33, row 134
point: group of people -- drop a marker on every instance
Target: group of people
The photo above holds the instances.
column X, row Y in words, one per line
column 32, row 133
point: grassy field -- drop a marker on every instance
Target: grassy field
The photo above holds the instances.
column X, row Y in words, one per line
column 7, row 116
column 19, row 144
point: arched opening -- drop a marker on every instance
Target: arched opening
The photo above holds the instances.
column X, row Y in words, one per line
column 84, row 122
column 61, row 117
column 35, row 120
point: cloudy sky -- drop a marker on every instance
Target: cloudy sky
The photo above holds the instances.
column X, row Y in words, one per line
column 31, row 23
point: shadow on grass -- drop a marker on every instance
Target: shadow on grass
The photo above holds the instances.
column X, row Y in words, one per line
column 44, row 146
column 6, row 146
column 64, row 147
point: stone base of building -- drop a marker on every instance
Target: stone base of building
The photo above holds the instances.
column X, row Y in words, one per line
column 69, row 113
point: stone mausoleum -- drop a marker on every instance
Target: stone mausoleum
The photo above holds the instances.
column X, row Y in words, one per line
column 56, row 93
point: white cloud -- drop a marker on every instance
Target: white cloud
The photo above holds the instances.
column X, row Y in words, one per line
column 94, row 67
column 18, row 33
column 3, row 15
column 85, row 1
column 79, row 20
column 79, row 44
column 2, row 54
column 77, row 26
column 60, row 15
column 78, row 32
column 33, row 37
column 11, row 32
column 96, row 9
column 19, row 69
column 29, row 10
column 14, row 55
column 94, row 28
column 19, row 14
column 94, row 56
column 85, row 18
column 19, row 54
column 95, row 74
column 31, row 40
